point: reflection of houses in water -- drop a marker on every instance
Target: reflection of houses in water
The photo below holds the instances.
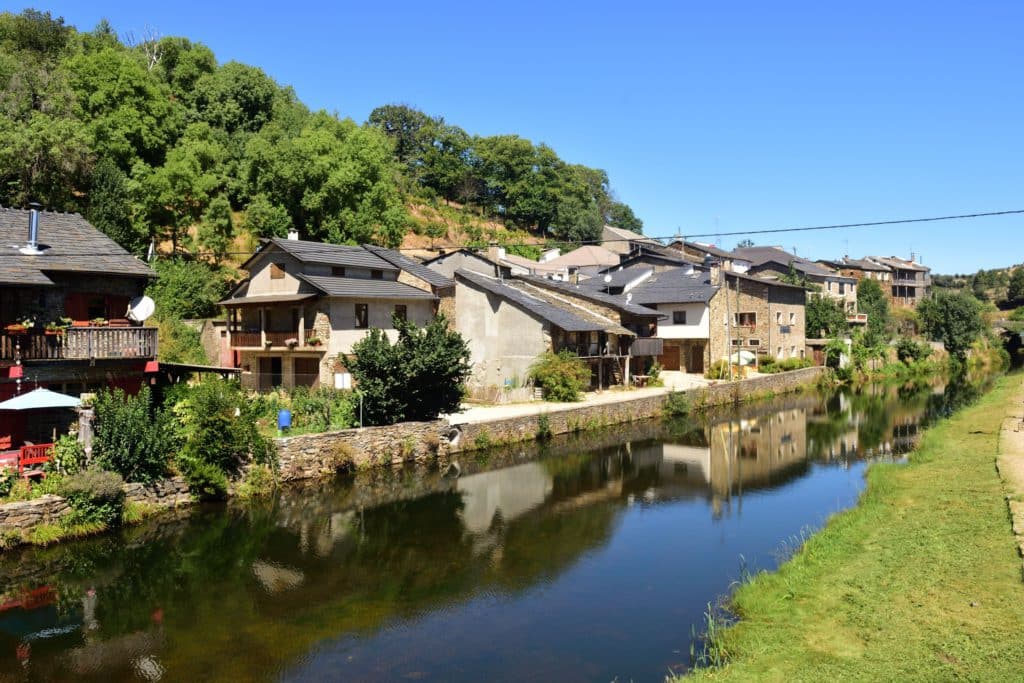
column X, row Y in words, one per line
column 505, row 493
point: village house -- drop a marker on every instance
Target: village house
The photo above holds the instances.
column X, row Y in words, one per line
column 305, row 304
column 774, row 262
column 767, row 316
column 911, row 282
column 699, row 251
column 65, row 290
column 624, row 242
column 509, row 322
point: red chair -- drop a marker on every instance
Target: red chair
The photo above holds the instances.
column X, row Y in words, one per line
column 31, row 459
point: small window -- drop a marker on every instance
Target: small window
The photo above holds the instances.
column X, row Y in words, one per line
column 338, row 271
column 842, row 288
column 753, row 342
column 792, row 318
column 778, row 317
column 401, row 312
column 778, row 352
column 376, row 274
column 362, row 316
column 746, row 319
column 792, row 352
column 737, row 342
column 277, row 271
column 678, row 317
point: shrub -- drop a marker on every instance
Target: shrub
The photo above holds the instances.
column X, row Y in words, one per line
column 676, row 404
column 131, row 438
column 483, row 440
column 206, row 481
column 1018, row 314
column 344, row 457
column 321, row 409
column 718, row 370
column 785, row 365
column 260, row 480
column 562, row 375
column 96, row 497
column 910, row 351
column 8, row 478
column 543, row 427
column 68, row 455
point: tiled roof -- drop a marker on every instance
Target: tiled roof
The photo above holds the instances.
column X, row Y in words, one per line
column 410, row 266
column 69, row 243
column 568, row 318
column 360, row 288
column 614, row 302
column 674, row 287
column 331, row 254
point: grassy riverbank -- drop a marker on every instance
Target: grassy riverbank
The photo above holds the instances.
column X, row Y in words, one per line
column 921, row 581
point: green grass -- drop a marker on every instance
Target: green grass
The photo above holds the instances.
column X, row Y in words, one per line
column 921, row 581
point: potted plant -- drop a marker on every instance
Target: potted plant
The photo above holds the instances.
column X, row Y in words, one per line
column 313, row 341
column 54, row 329
column 98, row 322
column 291, row 342
column 16, row 328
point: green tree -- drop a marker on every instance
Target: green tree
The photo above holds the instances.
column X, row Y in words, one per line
column 263, row 218
column 825, row 317
column 110, row 206
column 217, row 228
column 186, row 289
column 872, row 300
column 235, row 97
column 419, row 377
column 131, row 437
column 954, row 319
column 745, row 244
column 405, row 126
column 620, row 215
column 1015, row 290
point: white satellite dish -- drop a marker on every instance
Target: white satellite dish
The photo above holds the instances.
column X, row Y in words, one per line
column 140, row 308
column 607, row 279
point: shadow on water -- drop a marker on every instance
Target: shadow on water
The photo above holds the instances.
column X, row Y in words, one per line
column 589, row 557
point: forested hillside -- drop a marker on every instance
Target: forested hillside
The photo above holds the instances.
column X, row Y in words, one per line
column 154, row 138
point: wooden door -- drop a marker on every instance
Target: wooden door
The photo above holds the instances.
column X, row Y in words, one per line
column 307, row 372
column 697, row 359
column 669, row 359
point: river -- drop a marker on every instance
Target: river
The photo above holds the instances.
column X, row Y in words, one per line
column 590, row 558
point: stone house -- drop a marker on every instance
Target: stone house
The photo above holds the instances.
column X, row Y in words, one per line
column 509, row 322
column 56, row 266
column 468, row 259
column 700, row 251
column 709, row 313
column 774, row 262
column 910, row 282
column 624, row 242
column 305, row 304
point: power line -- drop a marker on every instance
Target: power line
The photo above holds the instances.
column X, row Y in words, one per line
column 757, row 231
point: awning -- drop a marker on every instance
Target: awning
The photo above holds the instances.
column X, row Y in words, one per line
column 38, row 399
column 266, row 299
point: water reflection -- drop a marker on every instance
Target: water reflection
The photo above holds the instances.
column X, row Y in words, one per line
column 584, row 559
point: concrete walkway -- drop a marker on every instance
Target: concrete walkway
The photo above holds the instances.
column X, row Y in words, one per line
column 1010, row 461
column 674, row 381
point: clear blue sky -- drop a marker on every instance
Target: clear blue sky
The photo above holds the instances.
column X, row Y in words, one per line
column 707, row 116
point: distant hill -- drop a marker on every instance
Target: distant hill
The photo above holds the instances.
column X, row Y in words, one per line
column 986, row 285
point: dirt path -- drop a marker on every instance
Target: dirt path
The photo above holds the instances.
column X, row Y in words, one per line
column 1011, row 461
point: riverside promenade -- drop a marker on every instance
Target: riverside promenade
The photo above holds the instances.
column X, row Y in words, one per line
column 1011, row 460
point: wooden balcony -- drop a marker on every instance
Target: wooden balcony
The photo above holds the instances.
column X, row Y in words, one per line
column 647, row 346
column 80, row 343
column 255, row 340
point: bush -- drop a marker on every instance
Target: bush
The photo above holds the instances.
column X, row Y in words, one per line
column 322, row 409
column 775, row 365
column 131, row 438
column 8, row 478
column 206, row 481
column 562, row 375
column 95, row 496
column 543, row 427
column 259, row 481
column 910, row 351
column 1018, row 314
column 718, row 370
column 676, row 404
column 68, row 455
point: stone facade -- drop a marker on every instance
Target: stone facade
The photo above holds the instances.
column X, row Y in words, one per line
column 27, row 514
column 165, row 493
column 778, row 317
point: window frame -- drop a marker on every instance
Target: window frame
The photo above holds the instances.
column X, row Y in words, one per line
column 365, row 308
column 676, row 317
column 278, row 270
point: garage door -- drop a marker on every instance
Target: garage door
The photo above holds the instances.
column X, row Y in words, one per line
column 669, row 360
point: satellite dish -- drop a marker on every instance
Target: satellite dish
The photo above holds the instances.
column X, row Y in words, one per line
column 607, row 279
column 140, row 308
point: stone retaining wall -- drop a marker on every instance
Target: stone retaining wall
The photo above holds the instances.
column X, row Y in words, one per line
column 27, row 514
column 313, row 455
column 164, row 493
column 574, row 418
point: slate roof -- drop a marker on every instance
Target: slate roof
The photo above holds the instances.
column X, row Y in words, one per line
column 857, row 264
column 617, row 279
column 759, row 256
column 710, row 249
column 70, row 244
column 266, row 299
column 559, row 314
column 410, row 266
column 361, row 288
column 674, row 287
column 328, row 254
column 614, row 302
column 897, row 263
column 589, row 255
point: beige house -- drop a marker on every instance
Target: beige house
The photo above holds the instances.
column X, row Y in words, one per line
column 775, row 262
column 305, row 304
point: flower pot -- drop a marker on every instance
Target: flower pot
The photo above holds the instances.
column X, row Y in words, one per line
column 16, row 329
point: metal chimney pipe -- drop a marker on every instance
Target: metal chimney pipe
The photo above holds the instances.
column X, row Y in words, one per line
column 32, row 247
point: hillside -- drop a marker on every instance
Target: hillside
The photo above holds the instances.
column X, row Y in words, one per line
column 1003, row 287
column 157, row 139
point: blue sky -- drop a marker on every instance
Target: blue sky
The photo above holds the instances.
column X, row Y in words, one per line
column 713, row 116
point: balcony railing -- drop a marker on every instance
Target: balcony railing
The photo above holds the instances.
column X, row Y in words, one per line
column 647, row 346
column 254, row 340
column 80, row 343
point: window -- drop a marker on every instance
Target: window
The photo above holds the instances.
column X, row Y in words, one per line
column 362, row 316
column 401, row 312
column 277, row 271
column 792, row 352
column 792, row 318
column 778, row 317
column 678, row 317
column 746, row 319
column 753, row 342
column 842, row 288
column 338, row 271
column 737, row 342
column 376, row 274
column 778, row 352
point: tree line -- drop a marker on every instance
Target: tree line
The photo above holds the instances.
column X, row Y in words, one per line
column 149, row 138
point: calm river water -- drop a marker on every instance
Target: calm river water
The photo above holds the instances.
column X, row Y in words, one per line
column 590, row 559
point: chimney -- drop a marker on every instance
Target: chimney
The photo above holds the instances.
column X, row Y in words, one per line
column 494, row 252
column 32, row 247
column 293, row 234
